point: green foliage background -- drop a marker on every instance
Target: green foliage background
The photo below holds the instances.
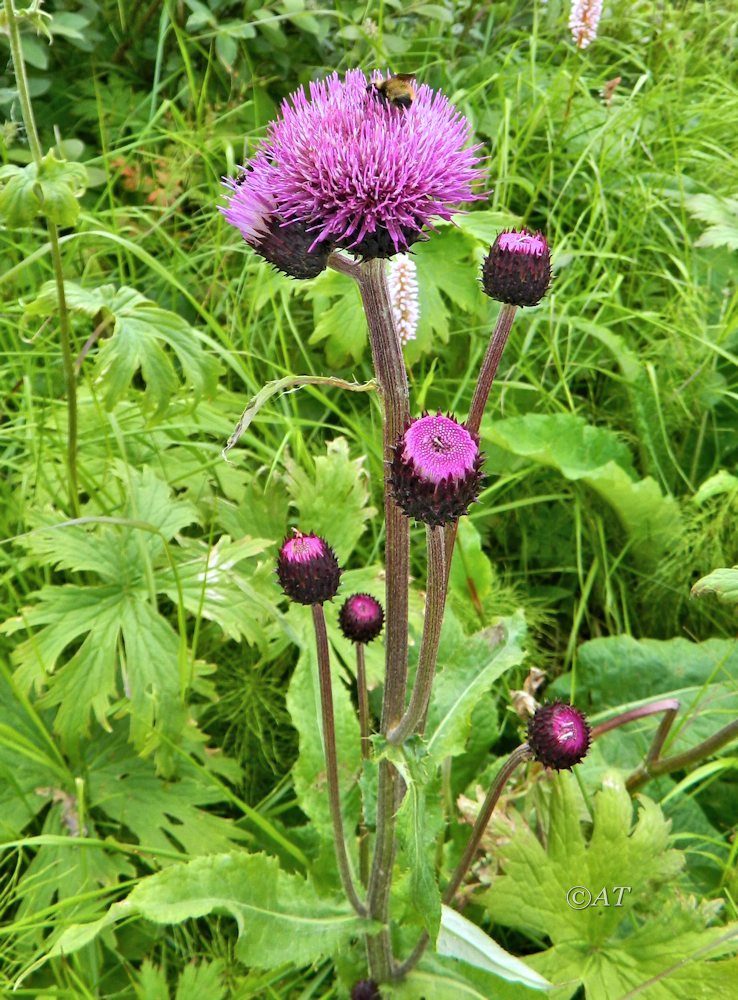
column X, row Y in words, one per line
column 148, row 665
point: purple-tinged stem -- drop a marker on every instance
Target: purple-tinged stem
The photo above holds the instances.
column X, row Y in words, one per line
column 517, row 757
column 331, row 760
column 365, row 752
column 487, row 374
column 389, row 367
column 668, row 705
column 679, row 761
column 435, row 600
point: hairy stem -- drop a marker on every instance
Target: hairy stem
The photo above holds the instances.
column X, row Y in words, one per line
column 487, row 374
column 517, row 757
column 34, row 144
column 435, row 601
column 389, row 366
column 331, row 760
column 365, row 753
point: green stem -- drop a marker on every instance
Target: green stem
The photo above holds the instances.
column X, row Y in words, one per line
column 34, row 144
column 331, row 760
column 435, row 601
column 517, row 757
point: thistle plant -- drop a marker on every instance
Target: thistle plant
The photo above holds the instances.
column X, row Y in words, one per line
column 345, row 180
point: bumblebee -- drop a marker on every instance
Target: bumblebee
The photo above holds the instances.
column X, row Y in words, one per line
column 398, row 90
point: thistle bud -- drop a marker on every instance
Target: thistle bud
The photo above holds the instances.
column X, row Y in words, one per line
column 286, row 245
column 435, row 474
column 361, row 618
column 366, row 989
column 559, row 736
column 517, row 269
column 307, row 569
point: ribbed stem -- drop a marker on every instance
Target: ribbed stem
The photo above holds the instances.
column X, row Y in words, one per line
column 435, row 601
column 487, row 374
column 364, row 729
column 517, row 757
column 34, row 144
column 389, row 366
column 331, row 761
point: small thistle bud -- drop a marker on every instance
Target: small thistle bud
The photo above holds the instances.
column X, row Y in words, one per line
column 559, row 736
column 307, row 569
column 517, row 269
column 435, row 474
column 402, row 285
column 361, row 618
column 365, row 989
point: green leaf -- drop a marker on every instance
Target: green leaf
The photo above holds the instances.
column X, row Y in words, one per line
column 461, row 939
column 723, row 583
column 471, row 569
column 112, row 620
column 280, row 918
column 141, row 332
column 622, row 939
column 417, row 841
column 51, row 190
column 468, row 668
column 721, row 213
column 596, row 457
column 337, row 483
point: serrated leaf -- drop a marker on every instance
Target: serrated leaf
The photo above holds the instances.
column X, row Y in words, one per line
column 281, row 920
column 470, row 665
column 338, row 483
column 417, row 841
column 596, row 457
column 141, row 334
column 723, row 583
column 51, row 190
column 622, row 939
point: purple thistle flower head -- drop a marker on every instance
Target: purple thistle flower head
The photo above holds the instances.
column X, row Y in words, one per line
column 436, row 470
column 559, row 736
column 366, row 989
column 517, row 269
column 357, row 171
column 307, row 569
column 361, row 618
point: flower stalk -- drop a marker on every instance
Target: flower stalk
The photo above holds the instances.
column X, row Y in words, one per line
column 331, row 760
column 435, row 602
column 65, row 339
column 363, row 696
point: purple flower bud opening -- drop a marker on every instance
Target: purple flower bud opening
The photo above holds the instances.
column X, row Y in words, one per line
column 517, row 269
column 559, row 736
column 355, row 171
column 361, row 618
column 307, row 569
column 435, row 473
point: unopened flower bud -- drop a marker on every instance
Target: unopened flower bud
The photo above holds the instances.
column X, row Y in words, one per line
column 435, row 474
column 517, row 269
column 366, row 989
column 361, row 618
column 307, row 569
column 559, row 736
